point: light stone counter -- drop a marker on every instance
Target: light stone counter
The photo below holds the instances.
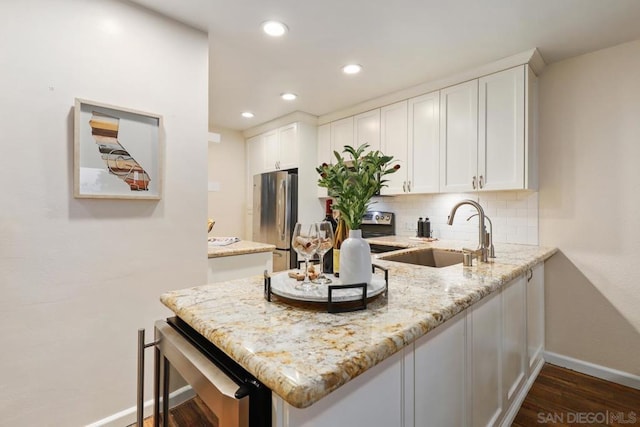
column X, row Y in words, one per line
column 242, row 247
column 303, row 353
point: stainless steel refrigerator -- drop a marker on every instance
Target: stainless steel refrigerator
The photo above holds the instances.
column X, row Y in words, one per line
column 275, row 212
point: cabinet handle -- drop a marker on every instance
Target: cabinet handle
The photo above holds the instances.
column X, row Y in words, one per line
column 404, row 186
column 409, row 187
column 473, row 182
column 481, row 182
column 530, row 275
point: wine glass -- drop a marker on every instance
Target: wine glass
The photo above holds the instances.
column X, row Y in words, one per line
column 325, row 237
column 305, row 242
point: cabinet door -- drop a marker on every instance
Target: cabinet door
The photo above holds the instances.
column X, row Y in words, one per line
column 255, row 156
column 393, row 131
column 371, row 399
column 440, row 375
column 514, row 344
column 535, row 316
column 341, row 134
column 324, row 155
column 288, row 146
column 501, row 133
column 270, row 147
column 485, row 324
column 459, row 137
column 367, row 129
column 424, row 143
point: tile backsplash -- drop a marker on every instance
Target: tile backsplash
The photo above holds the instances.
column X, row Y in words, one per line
column 514, row 215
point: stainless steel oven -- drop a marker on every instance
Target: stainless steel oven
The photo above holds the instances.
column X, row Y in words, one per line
column 378, row 224
column 236, row 398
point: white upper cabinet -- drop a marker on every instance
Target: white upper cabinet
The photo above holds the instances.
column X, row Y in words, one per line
column 325, row 154
column 355, row 131
column 459, row 137
column 255, row 156
column 366, row 127
column 393, row 130
column 485, row 126
column 288, row 147
column 271, row 150
column 473, row 136
column 341, row 134
column 280, row 148
column 423, row 172
column 501, row 130
column 408, row 131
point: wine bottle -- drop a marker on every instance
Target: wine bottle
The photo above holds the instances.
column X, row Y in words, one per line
column 342, row 233
column 328, row 257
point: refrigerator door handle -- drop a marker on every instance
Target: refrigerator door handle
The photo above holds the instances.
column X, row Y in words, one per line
column 283, row 212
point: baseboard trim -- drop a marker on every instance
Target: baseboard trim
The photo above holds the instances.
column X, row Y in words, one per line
column 128, row 416
column 598, row 371
column 508, row 418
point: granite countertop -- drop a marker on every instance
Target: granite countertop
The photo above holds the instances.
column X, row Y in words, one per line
column 302, row 353
column 242, row 247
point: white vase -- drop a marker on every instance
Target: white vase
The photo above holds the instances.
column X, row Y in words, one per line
column 355, row 259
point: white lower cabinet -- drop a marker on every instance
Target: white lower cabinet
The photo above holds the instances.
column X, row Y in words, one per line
column 535, row 316
column 439, row 374
column 238, row 266
column 514, row 341
column 484, row 320
column 469, row 371
column 372, row 399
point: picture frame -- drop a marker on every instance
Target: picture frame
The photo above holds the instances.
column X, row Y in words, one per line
column 118, row 152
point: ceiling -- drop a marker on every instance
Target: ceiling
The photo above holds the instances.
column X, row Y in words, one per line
column 399, row 43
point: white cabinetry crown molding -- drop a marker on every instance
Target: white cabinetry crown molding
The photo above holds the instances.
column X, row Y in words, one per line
column 296, row 116
column 531, row 57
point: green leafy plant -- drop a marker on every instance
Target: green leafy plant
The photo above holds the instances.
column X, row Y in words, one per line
column 352, row 182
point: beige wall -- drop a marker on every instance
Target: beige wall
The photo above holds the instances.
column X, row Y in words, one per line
column 78, row 277
column 227, row 169
column 590, row 205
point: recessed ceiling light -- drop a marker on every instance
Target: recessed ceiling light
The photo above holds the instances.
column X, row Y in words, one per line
column 247, row 114
column 274, row 28
column 352, row 69
column 288, row 96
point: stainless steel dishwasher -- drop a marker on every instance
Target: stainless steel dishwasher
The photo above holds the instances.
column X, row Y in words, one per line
column 235, row 397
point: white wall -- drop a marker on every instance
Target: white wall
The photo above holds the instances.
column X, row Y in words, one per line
column 227, row 171
column 589, row 205
column 80, row 276
column 514, row 215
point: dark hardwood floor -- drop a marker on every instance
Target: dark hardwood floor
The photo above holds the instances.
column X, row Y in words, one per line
column 192, row 413
column 561, row 397
column 558, row 397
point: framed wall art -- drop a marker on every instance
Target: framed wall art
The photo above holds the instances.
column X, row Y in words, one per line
column 117, row 152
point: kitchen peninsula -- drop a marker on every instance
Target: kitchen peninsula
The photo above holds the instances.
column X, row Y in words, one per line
column 239, row 259
column 447, row 346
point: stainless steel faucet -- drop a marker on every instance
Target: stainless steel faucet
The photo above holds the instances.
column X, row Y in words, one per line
column 482, row 246
column 488, row 237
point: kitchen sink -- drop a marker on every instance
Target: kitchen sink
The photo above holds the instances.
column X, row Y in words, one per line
column 429, row 257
